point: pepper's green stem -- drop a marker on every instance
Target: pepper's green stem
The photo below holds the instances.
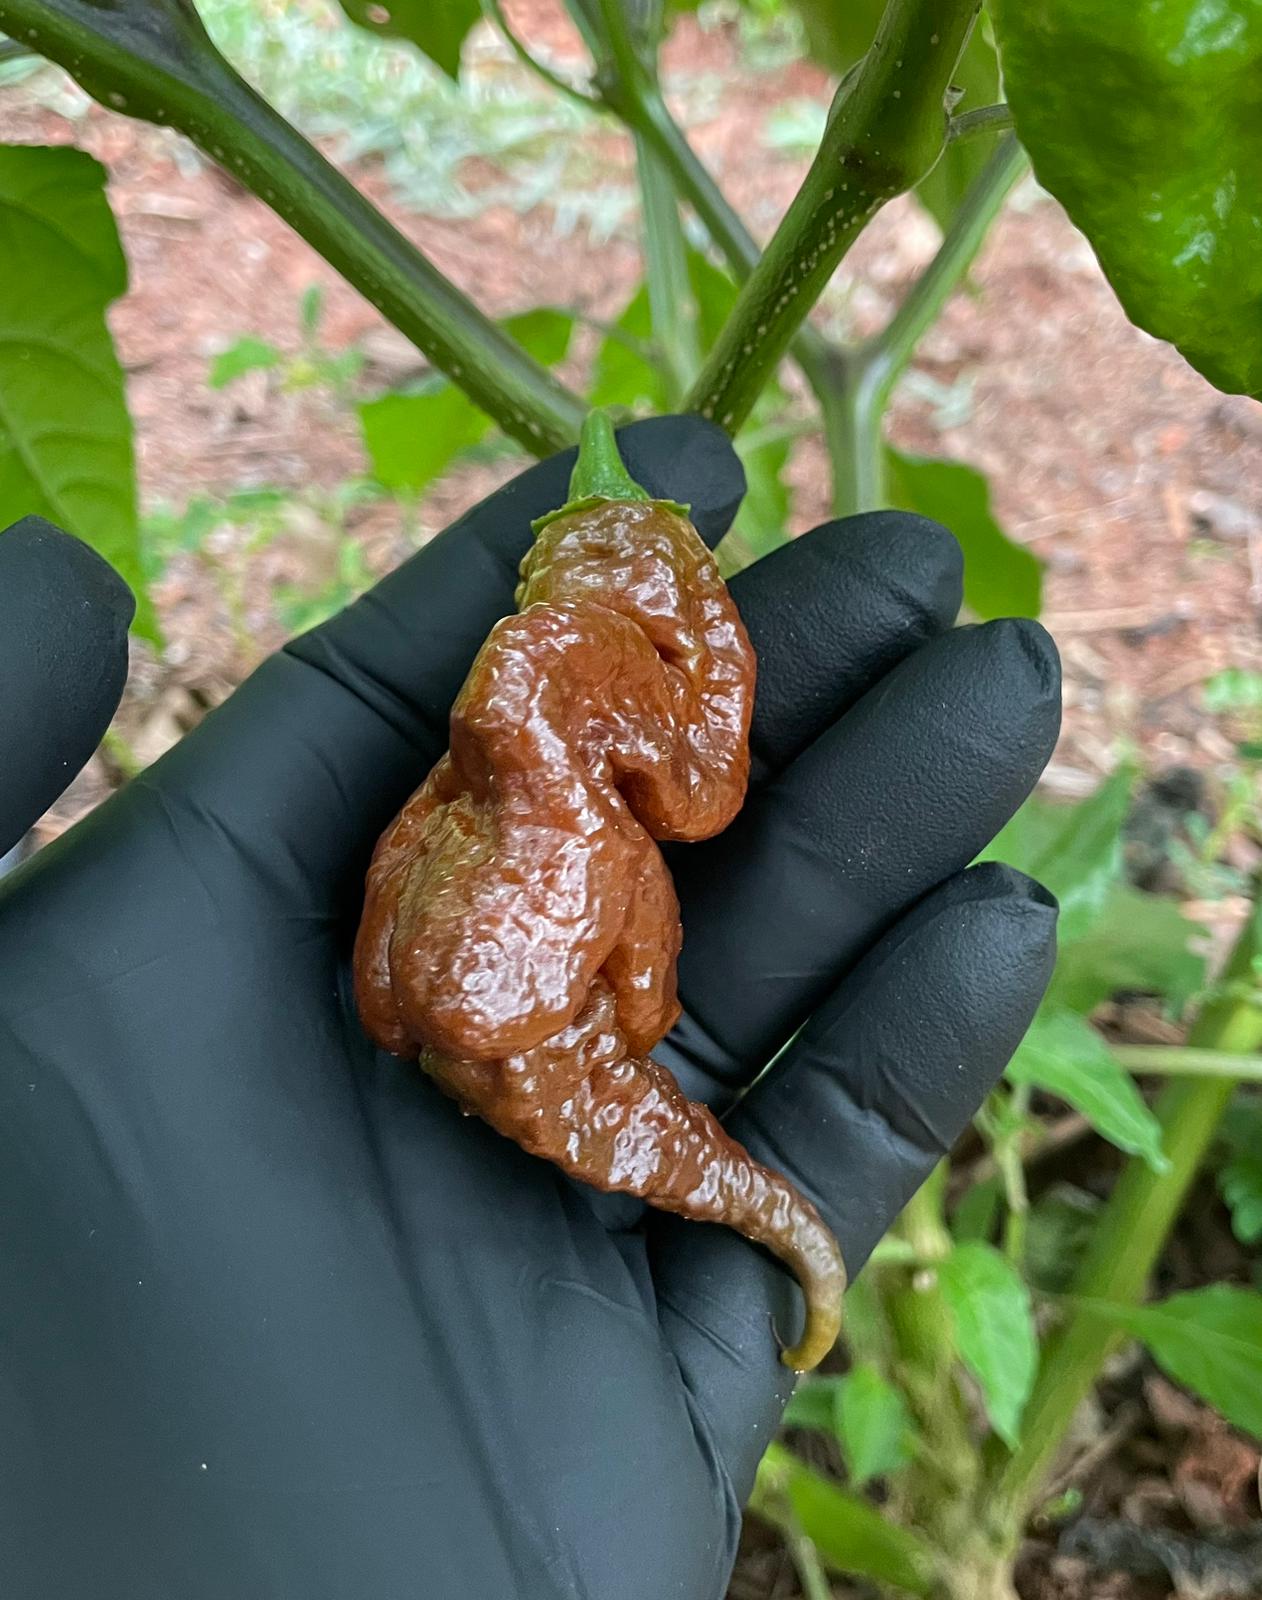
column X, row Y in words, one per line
column 153, row 59
column 600, row 472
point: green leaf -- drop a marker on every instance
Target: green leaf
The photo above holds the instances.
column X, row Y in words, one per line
column 994, row 1331
column 977, row 1212
column 850, row 1535
column 413, row 438
column 1210, row 1341
column 311, row 310
column 1233, row 689
column 1065, row 1056
column 1076, row 850
column 248, row 354
column 873, row 1425
column 1058, row 1230
column 1143, row 121
column 544, row 333
column 65, row 435
column 436, row 27
column 813, row 1405
column 1137, row 943
column 624, row 372
column 1240, row 1176
column 764, row 513
column 1000, row 578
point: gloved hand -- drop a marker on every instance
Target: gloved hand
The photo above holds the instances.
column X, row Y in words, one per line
column 276, row 1322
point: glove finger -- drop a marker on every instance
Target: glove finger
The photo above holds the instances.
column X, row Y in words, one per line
column 899, row 794
column 832, row 612
column 872, row 1093
column 63, row 663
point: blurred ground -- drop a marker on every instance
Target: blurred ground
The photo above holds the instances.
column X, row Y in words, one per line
column 1138, row 484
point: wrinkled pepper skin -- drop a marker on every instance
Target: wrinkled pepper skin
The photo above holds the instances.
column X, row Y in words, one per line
column 520, row 928
column 1145, row 121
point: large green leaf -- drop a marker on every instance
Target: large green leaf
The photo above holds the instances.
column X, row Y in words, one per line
column 850, row 1534
column 1138, row 942
column 994, row 1330
column 1209, row 1340
column 65, row 435
column 437, row 27
column 1064, row 1055
column 412, row 438
column 1143, row 121
column 1076, row 850
column 873, row 1425
column 1001, row 579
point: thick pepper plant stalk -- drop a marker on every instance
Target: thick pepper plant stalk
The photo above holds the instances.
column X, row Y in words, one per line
column 887, row 128
column 153, row 59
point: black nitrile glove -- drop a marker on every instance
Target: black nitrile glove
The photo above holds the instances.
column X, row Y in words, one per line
column 276, row 1322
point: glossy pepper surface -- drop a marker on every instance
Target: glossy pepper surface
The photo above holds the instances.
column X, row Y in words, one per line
column 1145, row 122
column 520, row 928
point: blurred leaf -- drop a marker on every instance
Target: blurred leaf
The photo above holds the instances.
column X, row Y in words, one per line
column 1000, row 578
column 1058, row 1229
column 1240, row 1177
column 1137, row 943
column 764, row 513
column 624, row 372
column 1076, row 850
column 850, row 1535
column 545, row 333
column 437, row 27
column 813, row 1404
column 65, row 433
column 977, row 1212
column 1233, row 689
column 873, row 1425
column 413, row 438
column 1065, row 1056
column 994, row 1330
column 1210, row 1341
column 248, row 354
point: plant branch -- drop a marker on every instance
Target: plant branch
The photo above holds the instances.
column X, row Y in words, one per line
column 493, row 11
column 971, row 124
column 671, row 302
column 892, row 349
column 887, row 128
column 153, row 59
column 1130, row 1233
column 1184, row 1061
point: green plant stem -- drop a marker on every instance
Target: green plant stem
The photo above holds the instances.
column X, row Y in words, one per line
column 886, row 130
column 892, row 349
column 971, row 124
column 153, row 59
column 918, row 1319
column 867, row 374
column 13, row 50
column 493, row 11
column 1184, row 1061
column 1129, row 1236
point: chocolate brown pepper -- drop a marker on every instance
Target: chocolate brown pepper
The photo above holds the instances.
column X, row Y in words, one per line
column 520, row 928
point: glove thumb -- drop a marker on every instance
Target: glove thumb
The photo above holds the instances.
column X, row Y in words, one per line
column 64, row 615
